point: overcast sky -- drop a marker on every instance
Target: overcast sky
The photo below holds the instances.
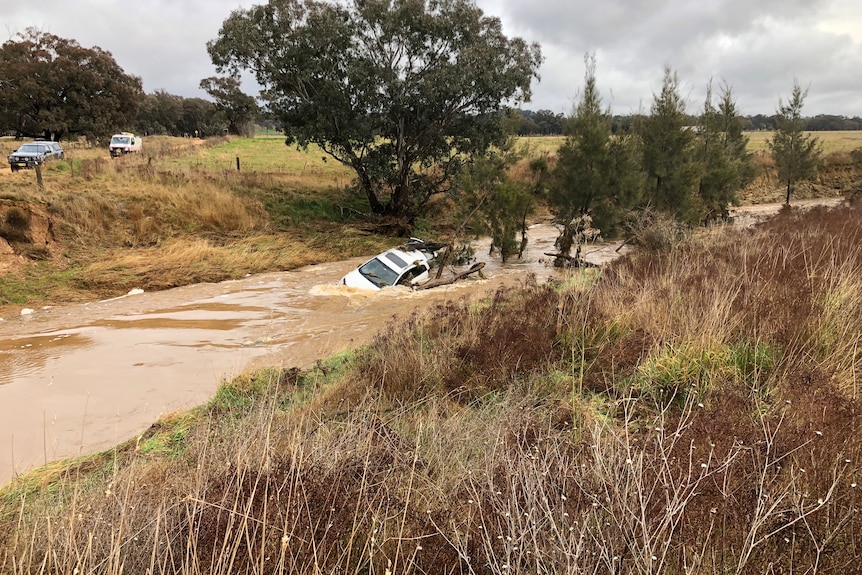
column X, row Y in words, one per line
column 756, row 46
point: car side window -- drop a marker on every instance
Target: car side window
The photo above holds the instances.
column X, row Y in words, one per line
column 408, row 276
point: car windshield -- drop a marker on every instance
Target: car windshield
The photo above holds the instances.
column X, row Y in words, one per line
column 378, row 273
column 31, row 149
column 120, row 140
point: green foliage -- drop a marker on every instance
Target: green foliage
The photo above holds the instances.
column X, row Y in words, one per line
column 402, row 91
column 797, row 155
column 51, row 87
column 499, row 204
column 679, row 372
column 199, row 118
column 159, row 113
column 596, row 174
column 238, row 109
column 164, row 113
column 726, row 165
column 669, row 157
column 541, row 122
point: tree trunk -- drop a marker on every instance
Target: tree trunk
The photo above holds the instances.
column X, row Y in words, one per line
column 397, row 207
column 787, row 201
column 368, row 188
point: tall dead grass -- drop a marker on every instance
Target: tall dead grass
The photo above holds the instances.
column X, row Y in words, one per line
column 184, row 261
column 138, row 212
column 690, row 412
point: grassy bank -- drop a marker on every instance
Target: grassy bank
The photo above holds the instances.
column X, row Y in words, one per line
column 178, row 214
column 691, row 411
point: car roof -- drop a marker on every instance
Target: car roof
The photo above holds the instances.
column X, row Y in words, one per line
column 401, row 260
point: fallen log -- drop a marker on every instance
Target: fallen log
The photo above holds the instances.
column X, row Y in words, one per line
column 437, row 282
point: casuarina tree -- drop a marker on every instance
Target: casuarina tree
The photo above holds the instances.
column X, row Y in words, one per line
column 494, row 203
column 669, row 154
column 796, row 154
column 597, row 173
column 724, row 160
column 401, row 91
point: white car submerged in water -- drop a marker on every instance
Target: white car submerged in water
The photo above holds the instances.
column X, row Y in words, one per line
column 407, row 265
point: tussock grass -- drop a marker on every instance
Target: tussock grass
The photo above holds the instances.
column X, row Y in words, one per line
column 690, row 411
column 141, row 216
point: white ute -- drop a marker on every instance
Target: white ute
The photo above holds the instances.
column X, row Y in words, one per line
column 407, row 265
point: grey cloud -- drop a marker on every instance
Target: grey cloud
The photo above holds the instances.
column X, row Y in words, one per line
column 757, row 46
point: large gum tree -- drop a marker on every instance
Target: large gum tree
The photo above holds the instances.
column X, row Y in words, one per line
column 54, row 88
column 401, row 91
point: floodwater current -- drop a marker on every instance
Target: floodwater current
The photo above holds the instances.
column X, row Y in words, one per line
column 77, row 379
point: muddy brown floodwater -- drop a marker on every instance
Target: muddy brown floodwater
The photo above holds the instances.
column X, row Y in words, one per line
column 77, row 379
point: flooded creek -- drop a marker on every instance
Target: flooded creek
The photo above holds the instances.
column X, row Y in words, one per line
column 77, row 379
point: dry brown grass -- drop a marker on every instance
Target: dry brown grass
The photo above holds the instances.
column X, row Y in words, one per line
column 178, row 262
column 434, row 486
column 833, row 142
column 141, row 214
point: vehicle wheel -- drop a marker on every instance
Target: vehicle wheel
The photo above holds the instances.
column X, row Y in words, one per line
column 13, row 168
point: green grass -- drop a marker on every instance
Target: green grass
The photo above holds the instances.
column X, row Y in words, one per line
column 294, row 207
column 271, row 156
column 37, row 283
column 166, row 437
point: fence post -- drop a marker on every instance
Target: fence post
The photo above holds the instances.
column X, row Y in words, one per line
column 39, row 182
column 237, row 163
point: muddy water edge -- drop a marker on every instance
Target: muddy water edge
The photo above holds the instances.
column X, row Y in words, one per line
column 77, row 379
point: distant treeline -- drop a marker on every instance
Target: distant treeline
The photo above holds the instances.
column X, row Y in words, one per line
column 547, row 123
